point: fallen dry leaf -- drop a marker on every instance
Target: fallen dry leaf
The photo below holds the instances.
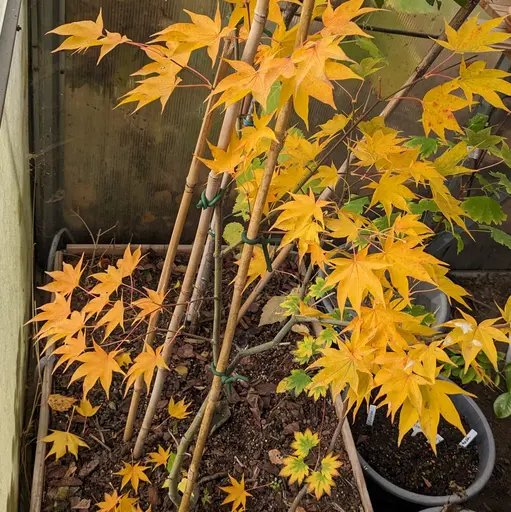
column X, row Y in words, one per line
column 272, row 312
column 275, row 457
column 60, row 403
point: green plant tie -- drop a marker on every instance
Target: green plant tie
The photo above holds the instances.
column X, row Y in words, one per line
column 263, row 242
column 204, row 203
column 227, row 378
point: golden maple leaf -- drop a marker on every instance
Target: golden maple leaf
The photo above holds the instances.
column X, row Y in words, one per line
column 332, row 127
column 63, row 442
column 339, row 21
column 473, row 338
column 97, row 365
column 179, row 409
column 112, row 318
column 129, row 261
column 66, row 280
column 347, row 225
column 322, row 481
column 64, row 329
column 473, row 36
column 439, row 105
column 390, row 192
column 52, row 313
column 70, row 350
column 236, row 494
column 133, row 473
column 203, row 31
column 159, row 458
column 257, row 266
column 86, row 409
column 109, row 42
column 148, row 305
column 376, row 147
column 145, row 364
column 83, row 34
column 60, row 403
column 476, row 79
column 447, row 163
column 224, row 161
column 243, row 10
column 355, row 278
column 110, row 502
column 96, row 305
column 109, row 281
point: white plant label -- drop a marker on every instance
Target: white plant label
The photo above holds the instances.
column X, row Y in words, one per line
column 370, row 415
column 417, row 428
column 468, row 438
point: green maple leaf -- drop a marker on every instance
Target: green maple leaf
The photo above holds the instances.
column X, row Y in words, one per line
column 484, row 209
column 297, row 382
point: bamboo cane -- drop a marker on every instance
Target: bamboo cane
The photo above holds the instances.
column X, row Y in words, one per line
column 252, row 232
column 184, row 207
column 256, row 30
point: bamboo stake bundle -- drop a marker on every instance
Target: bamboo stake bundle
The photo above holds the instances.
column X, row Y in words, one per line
column 241, row 277
column 212, row 187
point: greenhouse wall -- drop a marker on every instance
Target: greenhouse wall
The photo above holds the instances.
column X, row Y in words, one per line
column 15, row 259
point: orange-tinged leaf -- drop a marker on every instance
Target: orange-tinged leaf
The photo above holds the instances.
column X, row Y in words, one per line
column 439, row 105
column 473, row 36
column 203, row 31
column 63, row 442
column 86, row 409
column 391, row 192
column 129, row 261
column 109, row 503
column 83, row 34
column 113, row 318
column 179, row 409
column 60, row 403
column 70, row 350
column 66, row 280
column 159, row 458
column 355, row 278
column 53, row 313
column 133, row 473
column 109, row 281
column 257, row 267
column 339, row 22
column 97, row 365
column 124, row 359
column 236, row 494
column 148, row 305
column 96, row 305
column 476, row 79
column 145, row 364
column 65, row 329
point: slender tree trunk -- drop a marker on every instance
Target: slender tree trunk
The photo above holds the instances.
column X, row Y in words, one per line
column 256, row 30
column 184, row 207
column 241, row 277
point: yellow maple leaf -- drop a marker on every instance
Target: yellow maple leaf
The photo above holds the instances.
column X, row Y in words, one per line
column 133, row 473
column 473, row 338
column 236, row 494
column 322, row 481
column 66, row 280
column 224, row 161
column 390, row 192
column 96, row 305
column 109, row 42
column 179, row 409
column 342, row 366
column 247, row 79
column 347, row 225
column 439, row 105
column 109, row 281
column 476, row 79
column 257, row 138
column 63, row 442
column 86, row 409
column 203, row 31
column 148, row 305
column 83, row 34
column 145, row 364
column 257, row 267
column 339, row 22
column 129, row 261
column 112, row 318
column 97, row 365
column 60, row 403
column 64, row 329
column 295, row 468
column 447, row 163
column 109, row 503
column 124, row 359
column 159, row 458
column 243, row 10
column 355, row 278
column 474, row 37
column 304, row 443
column 70, row 350
column 376, row 147
column 332, row 127
column 52, row 313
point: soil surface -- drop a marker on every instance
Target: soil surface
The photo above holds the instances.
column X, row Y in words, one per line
column 413, row 466
column 258, row 419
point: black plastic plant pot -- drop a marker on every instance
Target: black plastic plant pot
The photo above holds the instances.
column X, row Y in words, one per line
column 486, row 451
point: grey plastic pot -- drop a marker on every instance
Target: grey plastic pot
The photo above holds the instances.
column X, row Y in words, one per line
column 486, row 451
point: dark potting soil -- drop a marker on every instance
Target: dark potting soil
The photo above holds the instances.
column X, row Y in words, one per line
column 413, row 465
column 259, row 419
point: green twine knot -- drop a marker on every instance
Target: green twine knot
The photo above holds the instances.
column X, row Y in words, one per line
column 204, row 203
column 264, row 242
column 227, row 379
